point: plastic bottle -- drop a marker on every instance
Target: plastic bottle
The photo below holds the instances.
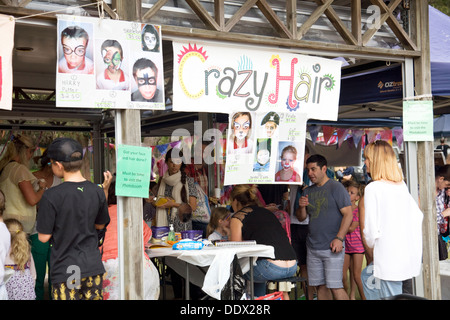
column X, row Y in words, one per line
column 171, row 235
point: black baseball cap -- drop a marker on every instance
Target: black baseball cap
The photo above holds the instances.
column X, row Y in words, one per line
column 62, row 149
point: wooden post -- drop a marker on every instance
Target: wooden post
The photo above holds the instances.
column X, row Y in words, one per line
column 132, row 225
column 425, row 157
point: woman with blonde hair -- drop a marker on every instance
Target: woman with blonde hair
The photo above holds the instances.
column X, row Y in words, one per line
column 391, row 216
column 21, row 284
column 253, row 222
column 22, row 189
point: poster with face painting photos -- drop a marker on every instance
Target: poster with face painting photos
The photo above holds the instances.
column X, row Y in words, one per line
column 265, row 148
column 109, row 64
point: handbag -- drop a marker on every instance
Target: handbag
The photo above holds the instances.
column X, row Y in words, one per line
column 203, row 211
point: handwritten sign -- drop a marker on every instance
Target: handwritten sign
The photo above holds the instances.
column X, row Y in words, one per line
column 216, row 78
column 418, row 120
column 109, row 64
column 6, row 52
column 133, row 171
column 265, row 148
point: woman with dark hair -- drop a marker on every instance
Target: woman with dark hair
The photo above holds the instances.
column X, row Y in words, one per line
column 252, row 222
column 177, row 188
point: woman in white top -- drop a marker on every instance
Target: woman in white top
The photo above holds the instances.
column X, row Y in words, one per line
column 392, row 226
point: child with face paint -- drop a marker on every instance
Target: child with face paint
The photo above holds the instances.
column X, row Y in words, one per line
column 240, row 142
column 145, row 74
column 113, row 78
column 270, row 123
column 263, row 149
column 287, row 172
column 74, row 41
column 150, row 38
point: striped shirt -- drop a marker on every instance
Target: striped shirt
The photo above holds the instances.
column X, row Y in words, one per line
column 353, row 242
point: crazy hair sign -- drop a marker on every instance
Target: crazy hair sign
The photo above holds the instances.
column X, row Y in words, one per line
column 218, row 78
column 104, row 63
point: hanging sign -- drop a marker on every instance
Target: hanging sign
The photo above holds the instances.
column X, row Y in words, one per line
column 217, row 78
column 133, row 171
column 105, row 63
column 6, row 50
column 418, row 120
column 265, row 148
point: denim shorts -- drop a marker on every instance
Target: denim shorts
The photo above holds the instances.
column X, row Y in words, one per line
column 376, row 289
column 266, row 271
column 325, row 268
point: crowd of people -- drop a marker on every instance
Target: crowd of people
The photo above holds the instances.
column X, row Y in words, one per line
column 322, row 230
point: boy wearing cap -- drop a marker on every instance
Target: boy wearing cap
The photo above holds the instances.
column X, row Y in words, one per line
column 69, row 216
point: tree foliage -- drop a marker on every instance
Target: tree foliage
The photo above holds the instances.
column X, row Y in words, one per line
column 441, row 5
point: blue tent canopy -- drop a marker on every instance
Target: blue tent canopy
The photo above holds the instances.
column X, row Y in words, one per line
column 386, row 83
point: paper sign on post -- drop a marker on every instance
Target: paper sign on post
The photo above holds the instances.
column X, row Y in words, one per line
column 418, row 120
column 133, row 171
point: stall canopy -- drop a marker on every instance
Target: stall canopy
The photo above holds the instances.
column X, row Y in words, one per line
column 385, row 83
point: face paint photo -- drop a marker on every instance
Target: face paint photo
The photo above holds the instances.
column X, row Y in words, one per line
column 240, row 137
column 112, row 77
column 73, row 50
column 270, row 123
column 150, row 38
column 263, row 150
column 287, row 170
column 145, row 74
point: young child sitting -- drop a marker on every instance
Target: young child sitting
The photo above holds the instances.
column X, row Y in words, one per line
column 70, row 216
column 21, row 284
column 219, row 224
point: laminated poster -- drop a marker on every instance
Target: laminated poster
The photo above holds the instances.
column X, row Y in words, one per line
column 104, row 63
column 265, row 148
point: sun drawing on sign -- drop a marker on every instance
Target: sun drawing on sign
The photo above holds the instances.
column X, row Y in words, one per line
column 183, row 56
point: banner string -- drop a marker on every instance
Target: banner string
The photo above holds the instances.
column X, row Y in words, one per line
column 55, row 11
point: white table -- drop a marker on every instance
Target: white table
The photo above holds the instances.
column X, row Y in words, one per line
column 218, row 259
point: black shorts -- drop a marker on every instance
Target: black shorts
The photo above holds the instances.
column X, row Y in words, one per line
column 90, row 288
column 299, row 232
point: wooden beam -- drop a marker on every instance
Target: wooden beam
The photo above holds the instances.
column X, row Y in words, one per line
column 291, row 17
column 153, row 10
column 239, row 14
column 312, row 19
column 356, row 21
column 219, row 13
column 133, row 244
column 340, row 49
column 273, row 19
column 425, row 158
column 203, row 15
column 337, row 23
column 388, row 17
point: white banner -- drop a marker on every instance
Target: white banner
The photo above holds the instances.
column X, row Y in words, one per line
column 7, row 24
column 105, row 63
column 226, row 78
column 265, row 148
